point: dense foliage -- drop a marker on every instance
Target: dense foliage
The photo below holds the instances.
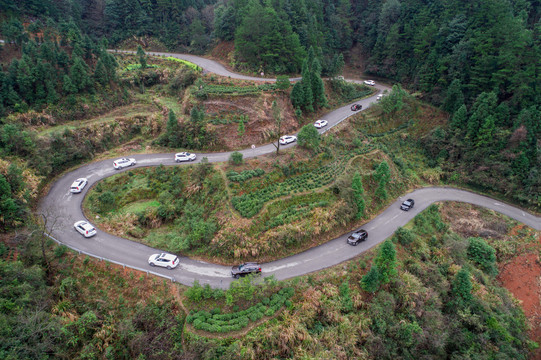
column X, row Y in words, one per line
column 71, row 311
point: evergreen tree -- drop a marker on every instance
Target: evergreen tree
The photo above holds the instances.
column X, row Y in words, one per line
column 100, row 73
column 345, row 297
column 371, row 281
column 482, row 108
column 485, row 137
column 277, row 115
column 142, row 57
column 460, row 118
column 241, row 129
column 358, row 194
column 172, row 130
column 79, row 75
column 454, row 98
column 68, row 86
column 386, row 261
column 461, row 288
column 282, row 82
column 297, row 95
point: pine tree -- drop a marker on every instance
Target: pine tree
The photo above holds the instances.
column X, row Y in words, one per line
column 454, row 98
column 172, row 130
column 142, row 57
column 68, row 86
column 386, row 261
column 100, row 74
column 358, row 194
column 461, row 288
column 371, row 281
column 460, row 118
column 297, row 95
column 483, row 107
column 79, row 74
column 486, row 133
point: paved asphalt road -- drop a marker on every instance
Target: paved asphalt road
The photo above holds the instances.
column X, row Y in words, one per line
column 62, row 209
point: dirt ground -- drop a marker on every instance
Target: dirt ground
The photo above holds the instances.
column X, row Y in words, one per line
column 522, row 276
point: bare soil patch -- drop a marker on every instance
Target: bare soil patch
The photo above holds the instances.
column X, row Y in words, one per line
column 522, row 277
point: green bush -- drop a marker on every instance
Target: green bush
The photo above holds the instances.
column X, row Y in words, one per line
column 482, row 254
column 236, row 158
column 404, row 236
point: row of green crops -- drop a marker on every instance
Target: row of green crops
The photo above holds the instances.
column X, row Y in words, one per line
column 218, row 90
column 293, row 213
column 221, row 323
column 185, row 62
column 244, row 175
column 249, row 204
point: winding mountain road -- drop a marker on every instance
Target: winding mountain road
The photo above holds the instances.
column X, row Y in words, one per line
column 63, row 209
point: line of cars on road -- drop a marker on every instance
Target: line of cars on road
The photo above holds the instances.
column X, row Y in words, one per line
column 171, row 261
column 361, row 235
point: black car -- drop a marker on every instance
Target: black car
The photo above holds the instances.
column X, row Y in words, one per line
column 408, row 204
column 356, row 107
column 358, row 236
column 245, row 269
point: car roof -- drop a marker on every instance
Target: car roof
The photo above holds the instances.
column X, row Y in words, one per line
column 168, row 256
column 85, row 225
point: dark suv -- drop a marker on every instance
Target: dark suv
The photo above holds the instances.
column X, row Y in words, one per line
column 245, row 269
column 358, row 236
column 408, row 204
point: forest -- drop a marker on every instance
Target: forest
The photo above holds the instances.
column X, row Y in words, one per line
column 465, row 111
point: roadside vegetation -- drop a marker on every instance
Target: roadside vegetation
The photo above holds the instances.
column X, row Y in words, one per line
column 431, row 288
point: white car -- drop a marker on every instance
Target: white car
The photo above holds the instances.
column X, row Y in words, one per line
column 286, row 139
column 78, row 185
column 169, row 261
column 378, row 98
column 124, row 162
column 184, row 156
column 85, row 228
column 369, row 82
column 320, row 123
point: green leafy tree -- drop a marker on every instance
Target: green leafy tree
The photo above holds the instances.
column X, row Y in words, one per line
column 172, row 130
column 386, row 261
column 309, row 137
column 358, row 194
column 236, row 158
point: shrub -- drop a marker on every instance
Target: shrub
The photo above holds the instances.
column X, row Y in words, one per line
column 236, row 158
column 484, row 255
column 404, row 236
